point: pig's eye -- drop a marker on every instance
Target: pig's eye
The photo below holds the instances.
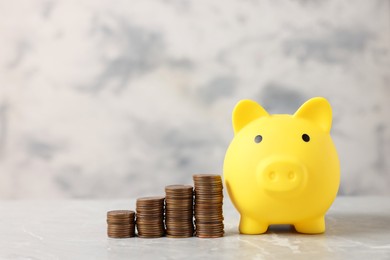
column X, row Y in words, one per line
column 258, row 139
column 306, row 138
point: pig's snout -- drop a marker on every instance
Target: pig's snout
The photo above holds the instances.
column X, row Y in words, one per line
column 281, row 174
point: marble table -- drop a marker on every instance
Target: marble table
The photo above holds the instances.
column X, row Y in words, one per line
column 357, row 228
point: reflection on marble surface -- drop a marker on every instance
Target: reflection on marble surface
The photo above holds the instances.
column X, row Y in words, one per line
column 116, row 100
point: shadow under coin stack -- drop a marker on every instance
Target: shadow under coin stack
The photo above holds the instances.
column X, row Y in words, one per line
column 150, row 217
column 120, row 223
column 208, row 205
column 179, row 203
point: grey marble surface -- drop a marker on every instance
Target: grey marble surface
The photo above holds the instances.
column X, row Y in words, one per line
column 357, row 228
column 112, row 100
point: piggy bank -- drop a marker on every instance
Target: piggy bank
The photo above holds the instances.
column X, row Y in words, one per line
column 282, row 169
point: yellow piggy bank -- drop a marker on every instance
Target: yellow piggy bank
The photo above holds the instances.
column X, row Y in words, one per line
column 282, row 169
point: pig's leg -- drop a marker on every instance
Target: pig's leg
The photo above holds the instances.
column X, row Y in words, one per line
column 312, row 226
column 252, row 227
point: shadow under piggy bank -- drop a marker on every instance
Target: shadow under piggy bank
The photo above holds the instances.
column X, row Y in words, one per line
column 371, row 226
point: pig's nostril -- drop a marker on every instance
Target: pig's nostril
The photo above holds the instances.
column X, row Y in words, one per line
column 291, row 175
column 272, row 175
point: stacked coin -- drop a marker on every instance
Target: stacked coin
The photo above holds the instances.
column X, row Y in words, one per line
column 120, row 223
column 179, row 204
column 150, row 217
column 208, row 205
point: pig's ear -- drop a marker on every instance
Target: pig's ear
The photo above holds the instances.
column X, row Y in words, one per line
column 317, row 110
column 245, row 112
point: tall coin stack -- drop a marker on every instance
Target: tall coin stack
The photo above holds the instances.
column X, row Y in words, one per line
column 208, row 205
column 179, row 200
column 150, row 217
column 120, row 223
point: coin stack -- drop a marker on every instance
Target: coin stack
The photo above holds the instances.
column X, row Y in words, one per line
column 179, row 211
column 208, row 205
column 150, row 217
column 120, row 223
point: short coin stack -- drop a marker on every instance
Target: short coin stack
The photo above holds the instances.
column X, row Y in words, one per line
column 120, row 223
column 150, row 217
column 179, row 211
column 208, row 205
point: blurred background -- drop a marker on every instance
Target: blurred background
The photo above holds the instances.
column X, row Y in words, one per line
column 116, row 99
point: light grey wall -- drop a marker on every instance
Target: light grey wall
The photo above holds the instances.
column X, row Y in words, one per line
column 105, row 99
